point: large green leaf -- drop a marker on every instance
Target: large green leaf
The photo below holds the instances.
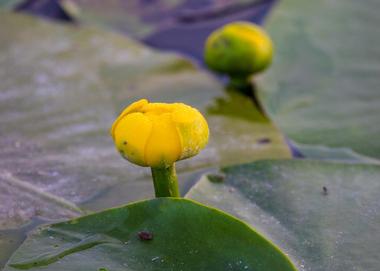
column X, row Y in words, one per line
column 179, row 235
column 323, row 85
column 61, row 90
column 325, row 215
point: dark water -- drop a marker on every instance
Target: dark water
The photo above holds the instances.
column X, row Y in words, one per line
column 183, row 29
column 188, row 36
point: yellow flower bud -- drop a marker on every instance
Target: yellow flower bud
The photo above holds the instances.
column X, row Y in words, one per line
column 238, row 49
column 158, row 134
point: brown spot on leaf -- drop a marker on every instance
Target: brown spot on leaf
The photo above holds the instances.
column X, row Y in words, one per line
column 145, row 235
column 264, row 140
column 325, row 191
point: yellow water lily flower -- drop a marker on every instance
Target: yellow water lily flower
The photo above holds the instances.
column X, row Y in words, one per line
column 238, row 49
column 158, row 134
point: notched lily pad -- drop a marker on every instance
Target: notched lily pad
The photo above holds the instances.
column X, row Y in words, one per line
column 185, row 235
column 326, row 215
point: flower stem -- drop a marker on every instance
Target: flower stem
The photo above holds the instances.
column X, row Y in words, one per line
column 242, row 84
column 165, row 182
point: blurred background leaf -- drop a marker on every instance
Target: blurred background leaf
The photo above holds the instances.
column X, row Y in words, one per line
column 322, row 88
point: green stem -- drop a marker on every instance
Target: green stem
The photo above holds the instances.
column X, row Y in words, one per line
column 242, row 84
column 165, row 182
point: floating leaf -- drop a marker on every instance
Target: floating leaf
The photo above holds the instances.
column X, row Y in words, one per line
column 322, row 88
column 159, row 234
column 326, row 215
column 29, row 200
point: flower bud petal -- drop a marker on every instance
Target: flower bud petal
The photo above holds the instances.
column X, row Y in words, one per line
column 131, row 135
column 192, row 129
column 163, row 147
column 134, row 107
column 238, row 49
column 158, row 134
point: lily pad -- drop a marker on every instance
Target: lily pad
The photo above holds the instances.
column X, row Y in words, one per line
column 62, row 89
column 159, row 234
column 322, row 88
column 325, row 215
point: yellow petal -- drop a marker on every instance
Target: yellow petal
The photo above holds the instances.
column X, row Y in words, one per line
column 192, row 129
column 131, row 135
column 156, row 108
column 134, row 107
column 163, row 147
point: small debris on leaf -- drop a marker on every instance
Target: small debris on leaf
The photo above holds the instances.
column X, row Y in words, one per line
column 325, row 191
column 216, row 178
column 155, row 258
column 145, row 235
column 263, row 140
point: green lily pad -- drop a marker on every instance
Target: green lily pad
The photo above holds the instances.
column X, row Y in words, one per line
column 159, row 234
column 326, row 215
column 62, row 89
column 322, row 88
